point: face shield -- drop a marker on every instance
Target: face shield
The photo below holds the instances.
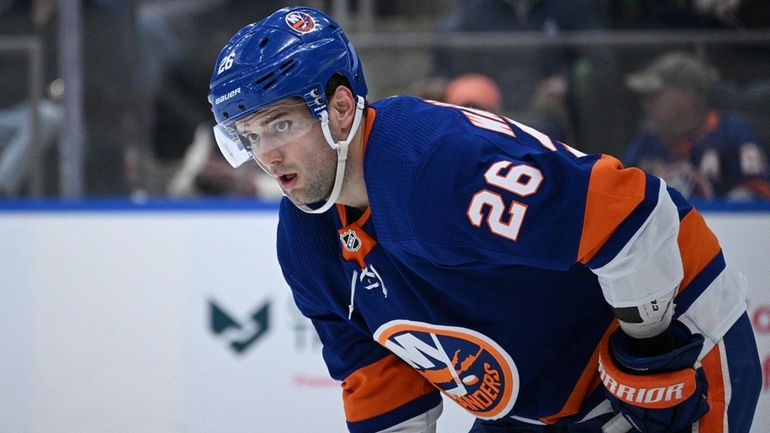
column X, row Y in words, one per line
column 264, row 131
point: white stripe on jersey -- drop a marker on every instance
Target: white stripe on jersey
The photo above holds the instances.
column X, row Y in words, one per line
column 649, row 266
column 717, row 308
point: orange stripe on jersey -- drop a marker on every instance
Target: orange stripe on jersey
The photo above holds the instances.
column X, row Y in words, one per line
column 369, row 121
column 711, row 123
column 381, row 387
column 356, row 242
column 587, row 382
column 613, row 193
column 714, row 420
column 344, row 215
column 697, row 246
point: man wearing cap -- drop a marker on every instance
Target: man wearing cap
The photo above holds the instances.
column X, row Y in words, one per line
column 699, row 151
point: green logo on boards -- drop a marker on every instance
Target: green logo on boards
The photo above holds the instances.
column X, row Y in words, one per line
column 240, row 334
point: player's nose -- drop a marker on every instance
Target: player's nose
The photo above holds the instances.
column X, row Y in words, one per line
column 270, row 158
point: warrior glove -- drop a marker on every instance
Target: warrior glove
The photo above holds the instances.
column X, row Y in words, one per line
column 655, row 384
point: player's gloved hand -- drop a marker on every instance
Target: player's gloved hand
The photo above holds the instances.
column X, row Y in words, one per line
column 663, row 393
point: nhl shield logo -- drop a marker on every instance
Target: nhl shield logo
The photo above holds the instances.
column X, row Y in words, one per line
column 350, row 241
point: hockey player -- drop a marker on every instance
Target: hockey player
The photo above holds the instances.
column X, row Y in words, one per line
column 442, row 249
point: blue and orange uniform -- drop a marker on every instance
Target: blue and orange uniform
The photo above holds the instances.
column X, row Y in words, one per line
column 724, row 158
column 487, row 267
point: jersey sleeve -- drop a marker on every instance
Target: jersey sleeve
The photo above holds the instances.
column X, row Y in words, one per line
column 380, row 392
column 629, row 234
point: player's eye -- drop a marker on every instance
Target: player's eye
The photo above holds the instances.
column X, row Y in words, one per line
column 253, row 138
column 250, row 140
column 281, row 126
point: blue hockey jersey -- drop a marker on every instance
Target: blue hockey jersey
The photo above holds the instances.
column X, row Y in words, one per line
column 724, row 157
column 486, row 266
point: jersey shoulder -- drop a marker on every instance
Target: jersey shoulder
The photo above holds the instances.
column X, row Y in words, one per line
column 405, row 131
column 486, row 189
column 413, row 141
column 407, row 127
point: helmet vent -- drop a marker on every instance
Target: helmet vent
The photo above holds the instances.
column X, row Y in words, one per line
column 264, row 78
column 264, row 42
column 286, row 66
column 269, row 83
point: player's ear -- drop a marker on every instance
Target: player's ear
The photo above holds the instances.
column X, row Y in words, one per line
column 342, row 108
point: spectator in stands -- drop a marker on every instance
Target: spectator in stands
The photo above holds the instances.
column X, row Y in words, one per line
column 736, row 13
column 16, row 149
column 528, row 72
column 203, row 172
column 546, row 111
column 17, row 158
column 428, row 88
column 475, row 91
column 703, row 153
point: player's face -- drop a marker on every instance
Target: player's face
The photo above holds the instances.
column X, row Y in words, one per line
column 287, row 141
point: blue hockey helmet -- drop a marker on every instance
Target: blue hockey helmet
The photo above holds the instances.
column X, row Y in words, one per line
column 291, row 53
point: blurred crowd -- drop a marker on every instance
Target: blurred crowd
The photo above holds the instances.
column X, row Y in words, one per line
column 691, row 110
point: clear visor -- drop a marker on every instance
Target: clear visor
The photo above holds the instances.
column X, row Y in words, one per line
column 263, row 132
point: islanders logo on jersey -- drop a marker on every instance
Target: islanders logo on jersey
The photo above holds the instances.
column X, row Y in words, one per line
column 465, row 365
column 300, row 21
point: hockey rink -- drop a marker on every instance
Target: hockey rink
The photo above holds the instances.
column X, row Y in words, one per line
column 176, row 319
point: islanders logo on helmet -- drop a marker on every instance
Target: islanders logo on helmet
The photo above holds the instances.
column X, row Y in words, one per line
column 300, row 21
column 465, row 365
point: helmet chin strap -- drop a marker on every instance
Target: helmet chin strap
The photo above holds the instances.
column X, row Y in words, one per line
column 342, row 155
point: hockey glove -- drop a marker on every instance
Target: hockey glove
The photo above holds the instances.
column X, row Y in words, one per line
column 663, row 393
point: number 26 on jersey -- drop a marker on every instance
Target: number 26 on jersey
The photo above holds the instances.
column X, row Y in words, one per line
column 487, row 206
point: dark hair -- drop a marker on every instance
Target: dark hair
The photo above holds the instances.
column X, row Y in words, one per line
column 338, row 80
column 335, row 81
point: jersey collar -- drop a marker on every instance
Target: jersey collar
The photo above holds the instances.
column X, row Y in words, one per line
column 371, row 113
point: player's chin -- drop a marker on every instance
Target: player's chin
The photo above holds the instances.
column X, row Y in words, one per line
column 293, row 197
column 298, row 198
column 302, row 198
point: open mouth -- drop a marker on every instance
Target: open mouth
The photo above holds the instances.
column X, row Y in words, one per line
column 288, row 180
